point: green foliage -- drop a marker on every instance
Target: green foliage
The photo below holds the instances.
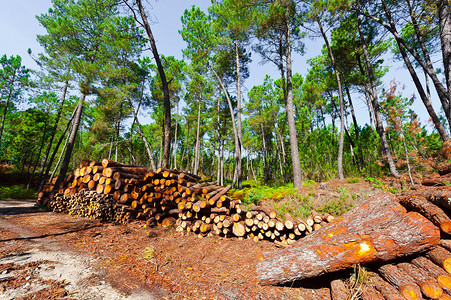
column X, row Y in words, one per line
column 16, row 192
column 353, row 179
column 378, row 184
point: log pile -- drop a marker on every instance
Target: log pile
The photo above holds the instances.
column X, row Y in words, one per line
column 405, row 257
column 112, row 191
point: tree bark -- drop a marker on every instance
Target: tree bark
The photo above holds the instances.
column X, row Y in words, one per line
column 379, row 230
column 340, row 96
column 374, row 99
column 146, row 143
column 238, row 168
column 297, row 173
column 232, row 116
column 164, row 82
column 197, row 149
column 8, row 100
column 71, row 142
column 42, row 178
column 444, row 16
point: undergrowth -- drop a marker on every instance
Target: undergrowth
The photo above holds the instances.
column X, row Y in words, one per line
column 16, row 192
column 288, row 200
column 377, row 183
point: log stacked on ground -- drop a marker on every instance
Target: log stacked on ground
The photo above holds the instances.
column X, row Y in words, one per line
column 379, row 230
column 169, row 197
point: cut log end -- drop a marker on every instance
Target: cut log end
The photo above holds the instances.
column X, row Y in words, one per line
column 431, row 290
column 411, row 292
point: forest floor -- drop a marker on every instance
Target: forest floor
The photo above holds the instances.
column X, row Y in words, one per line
column 45, row 255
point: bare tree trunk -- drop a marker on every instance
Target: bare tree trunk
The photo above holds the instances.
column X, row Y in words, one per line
column 377, row 115
column 444, row 16
column 423, row 96
column 297, row 173
column 265, row 156
column 175, row 137
column 239, row 175
column 52, row 158
column 197, row 149
column 164, row 82
column 340, row 96
column 426, row 64
column 39, row 153
column 354, row 119
column 8, row 100
column 52, row 136
column 70, row 145
column 146, row 143
column 232, row 116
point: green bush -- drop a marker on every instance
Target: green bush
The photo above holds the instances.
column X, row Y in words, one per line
column 16, row 192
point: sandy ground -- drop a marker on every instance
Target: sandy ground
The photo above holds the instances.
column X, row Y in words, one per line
column 48, row 262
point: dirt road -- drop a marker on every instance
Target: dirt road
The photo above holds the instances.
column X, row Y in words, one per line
column 56, row 256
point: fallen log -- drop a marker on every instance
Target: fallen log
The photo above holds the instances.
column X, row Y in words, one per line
column 428, row 285
column 370, row 293
column 442, row 277
column 378, row 230
column 441, row 257
column 402, row 280
column 338, row 290
column 432, row 212
column 386, row 289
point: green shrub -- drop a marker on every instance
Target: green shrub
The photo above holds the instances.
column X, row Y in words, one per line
column 353, row 179
column 16, row 192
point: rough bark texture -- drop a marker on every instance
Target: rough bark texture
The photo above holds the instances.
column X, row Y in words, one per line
column 71, row 142
column 406, row 285
column 441, row 257
column 433, row 213
column 442, row 277
column 297, row 175
column 429, row 286
column 386, row 289
column 378, row 230
column 443, row 170
column 338, row 290
column 370, row 293
column 340, row 96
column 164, row 82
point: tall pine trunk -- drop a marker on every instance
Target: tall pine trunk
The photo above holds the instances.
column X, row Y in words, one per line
column 340, row 96
column 239, row 172
column 167, row 101
column 376, row 107
column 197, row 149
column 42, row 178
column 71, row 142
column 297, row 173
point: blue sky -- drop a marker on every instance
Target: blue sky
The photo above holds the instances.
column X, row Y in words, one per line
column 19, row 28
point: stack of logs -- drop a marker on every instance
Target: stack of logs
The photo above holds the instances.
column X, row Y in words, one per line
column 407, row 246
column 117, row 192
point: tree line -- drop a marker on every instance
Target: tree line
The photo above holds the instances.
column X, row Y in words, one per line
column 94, row 80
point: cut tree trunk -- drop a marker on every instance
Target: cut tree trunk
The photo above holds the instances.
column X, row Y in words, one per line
column 386, row 289
column 442, row 277
column 429, row 287
column 338, row 290
column 379, row 230
column 441, row 257
column 409, row 289
column 435, row 214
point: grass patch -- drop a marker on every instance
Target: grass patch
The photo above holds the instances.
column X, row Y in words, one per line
column 16, row 192
column 380, row 185
column 353, row 179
